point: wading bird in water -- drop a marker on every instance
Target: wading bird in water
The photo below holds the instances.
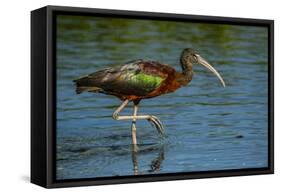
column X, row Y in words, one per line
column 140, row 79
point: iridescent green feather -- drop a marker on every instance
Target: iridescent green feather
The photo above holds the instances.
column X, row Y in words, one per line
column 145, row 81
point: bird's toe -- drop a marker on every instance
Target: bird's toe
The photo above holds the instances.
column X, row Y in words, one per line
column 155, row 122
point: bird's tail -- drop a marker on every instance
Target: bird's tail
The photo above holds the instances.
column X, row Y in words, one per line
column 83, row 85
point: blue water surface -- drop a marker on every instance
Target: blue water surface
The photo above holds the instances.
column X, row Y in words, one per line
column 207, row 127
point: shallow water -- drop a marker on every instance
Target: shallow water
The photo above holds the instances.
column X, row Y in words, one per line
column 207, row 127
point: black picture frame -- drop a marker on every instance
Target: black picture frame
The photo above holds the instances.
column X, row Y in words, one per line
column 43, row 96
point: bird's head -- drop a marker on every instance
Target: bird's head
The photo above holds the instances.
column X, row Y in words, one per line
column 189, row 56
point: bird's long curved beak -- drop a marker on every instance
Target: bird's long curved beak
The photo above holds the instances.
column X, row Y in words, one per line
column 207, row 65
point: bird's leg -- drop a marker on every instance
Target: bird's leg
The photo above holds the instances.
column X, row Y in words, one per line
column 118, row 110
column 134, row 129
column 152, row 119
column 134, row 118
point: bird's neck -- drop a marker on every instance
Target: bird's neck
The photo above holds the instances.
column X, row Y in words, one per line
column 187, row 71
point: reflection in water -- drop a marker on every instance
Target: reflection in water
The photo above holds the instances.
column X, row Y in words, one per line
column 155, row 163
column 135, row 159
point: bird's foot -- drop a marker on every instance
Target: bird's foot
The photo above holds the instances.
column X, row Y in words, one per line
column 155, row 122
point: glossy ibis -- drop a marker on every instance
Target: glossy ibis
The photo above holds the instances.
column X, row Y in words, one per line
column 140, row 79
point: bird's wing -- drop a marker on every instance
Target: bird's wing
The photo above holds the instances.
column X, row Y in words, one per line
column 95, row 82
column 136, row 77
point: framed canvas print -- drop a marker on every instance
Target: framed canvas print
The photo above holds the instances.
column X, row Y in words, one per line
column 125, row 96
